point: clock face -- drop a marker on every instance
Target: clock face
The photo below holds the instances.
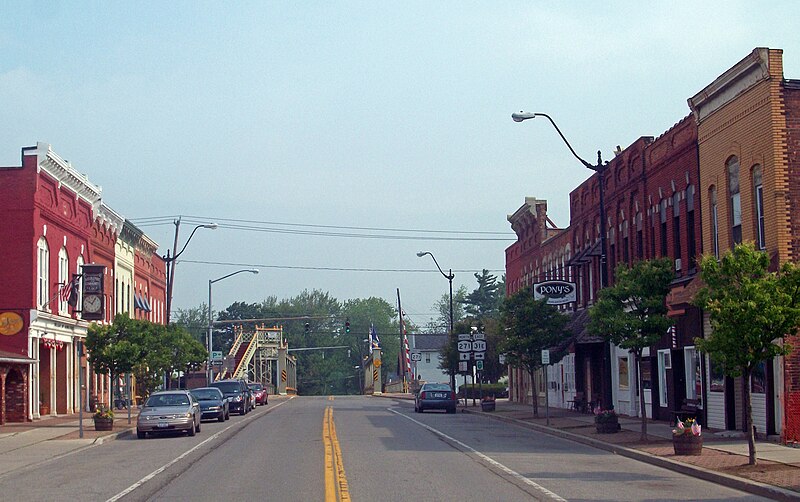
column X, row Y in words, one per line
column 92, row 303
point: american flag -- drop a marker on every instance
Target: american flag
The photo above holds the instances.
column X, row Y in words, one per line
column 374, row 341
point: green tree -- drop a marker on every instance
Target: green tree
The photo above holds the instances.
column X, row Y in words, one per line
column 112, row 349
column 632, row 313
column 751, row 309
column 528, row 326
column 484, row 301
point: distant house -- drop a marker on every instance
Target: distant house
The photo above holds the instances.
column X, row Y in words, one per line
column 428, row 346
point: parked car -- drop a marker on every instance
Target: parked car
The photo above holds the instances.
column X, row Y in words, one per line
column 259, row 393
column 435, row 396
column 239, row 396
column 213, row 404
column 169, row 411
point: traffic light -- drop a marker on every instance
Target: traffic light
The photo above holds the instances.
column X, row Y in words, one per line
column 347, row 325
column 307, row 328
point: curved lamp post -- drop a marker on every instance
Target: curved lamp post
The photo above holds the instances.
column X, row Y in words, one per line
column 449, row 277
column 600, row 169
column 210, row 321
column 170, row 260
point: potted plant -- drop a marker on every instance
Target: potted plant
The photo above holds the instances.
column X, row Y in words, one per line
column 488, row 403
column 686, row 437
column 606, row 421
column 103, row 418
column 44, row 408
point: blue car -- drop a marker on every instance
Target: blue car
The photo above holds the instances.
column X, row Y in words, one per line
column 213, row 404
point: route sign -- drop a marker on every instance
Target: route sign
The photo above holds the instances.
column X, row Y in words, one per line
column 479, row 365
column 416, row 356
column 463, row 366
column 463, row 356
column 464, row 346
column 478, row 336
column 464, row 336
column 480, row 356
column 479, row 345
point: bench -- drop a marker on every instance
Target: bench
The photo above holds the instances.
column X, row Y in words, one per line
column 689, row 409
column 579, row 403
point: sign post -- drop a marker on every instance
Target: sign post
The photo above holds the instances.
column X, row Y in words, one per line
column 546, row 363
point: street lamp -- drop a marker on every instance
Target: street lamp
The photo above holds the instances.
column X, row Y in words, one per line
column 170, row 260
column 600, row 169
column 210, row 322
column 449, row 277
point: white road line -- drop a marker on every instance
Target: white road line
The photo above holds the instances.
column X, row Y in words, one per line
column 519, row 477
column 180, row 457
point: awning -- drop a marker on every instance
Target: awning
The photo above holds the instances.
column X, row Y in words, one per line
column 585, row 256
column 140, row 302
column 579, row 326
column 12, row 358
column 146, row 304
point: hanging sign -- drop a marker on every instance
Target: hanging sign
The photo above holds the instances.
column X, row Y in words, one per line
column 556, row 292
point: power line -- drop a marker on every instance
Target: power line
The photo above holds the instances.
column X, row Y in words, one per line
column 332, row 269
column 326, row 230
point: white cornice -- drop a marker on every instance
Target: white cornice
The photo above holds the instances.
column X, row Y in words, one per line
column 740, row 77
column 109, row 217
column 64, row 173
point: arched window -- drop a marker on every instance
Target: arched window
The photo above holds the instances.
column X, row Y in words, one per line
column 758, row 200
column 676, row 229
column 662, row 214
column 690, row 235
column 63, row 279
column 43, row 274
column 712, row 200
column 735, row 200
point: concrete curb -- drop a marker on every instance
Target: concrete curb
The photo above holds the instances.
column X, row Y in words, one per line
column 742, row 484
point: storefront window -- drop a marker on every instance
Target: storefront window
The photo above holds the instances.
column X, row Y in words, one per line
column 717, row 378
column 758, row 380
column 647, row 378
column 623, row 373
column 694, row 376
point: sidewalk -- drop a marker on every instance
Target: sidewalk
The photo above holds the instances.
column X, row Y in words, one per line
column 28, row 444
column 724, row 459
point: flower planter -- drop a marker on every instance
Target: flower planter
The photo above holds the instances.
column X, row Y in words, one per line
column 487, row 405
column 608, row 426
column 103, row 424
column 44, row 410
column 687, row 444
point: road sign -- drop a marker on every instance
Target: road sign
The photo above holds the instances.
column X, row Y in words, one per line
column 479, row 365
column 463, row 366
column 217, row 364
column 502, row 358
column 283, row 375
column 416, row 356
column 480, row 356
column 216, row 355
column 377, row 363
column 465, row 336
column 478, row 336
column 463, row 356
column 464, row 346
column 479, row 346
column 545, row 357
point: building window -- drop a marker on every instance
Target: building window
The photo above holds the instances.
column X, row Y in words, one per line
column 652, row 233
column 626, row 257
column 79, row 264
column 43, row 274
column 735, row 200
column 623, row 373
column 690, row 235
column 693, row 374
column 639, row 237
column 428, row 357
column 662, row 213
column 664, row 364
column 712, row 198
column 676, row 229
column 63, row 279
column 758, row 190
column 758, row 379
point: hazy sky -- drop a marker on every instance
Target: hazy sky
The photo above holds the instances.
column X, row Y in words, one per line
column 307, row 119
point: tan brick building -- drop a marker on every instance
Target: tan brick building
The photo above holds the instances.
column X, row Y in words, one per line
column 745, row 188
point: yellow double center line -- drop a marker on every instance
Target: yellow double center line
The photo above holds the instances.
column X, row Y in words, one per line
column 335, row 480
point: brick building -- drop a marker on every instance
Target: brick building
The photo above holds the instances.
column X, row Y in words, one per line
column 748, row 136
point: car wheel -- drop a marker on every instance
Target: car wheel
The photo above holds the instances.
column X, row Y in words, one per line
column 227, row 414
column 191, row 431
column 197, row 429
column 140, row 434
column 420, row 409
column 221, row 417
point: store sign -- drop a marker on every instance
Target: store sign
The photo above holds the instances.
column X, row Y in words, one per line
column 556, row 292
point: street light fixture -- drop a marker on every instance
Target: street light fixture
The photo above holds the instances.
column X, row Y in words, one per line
column 170, row 260
column 449, row 277
column 600, row 169
column 210, row 321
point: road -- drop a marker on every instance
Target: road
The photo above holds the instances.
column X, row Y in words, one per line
column 356, row 448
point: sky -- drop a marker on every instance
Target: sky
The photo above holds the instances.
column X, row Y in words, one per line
column 332, row 141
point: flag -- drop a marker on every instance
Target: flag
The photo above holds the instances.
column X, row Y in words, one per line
column 65, row 291
column 374, row 341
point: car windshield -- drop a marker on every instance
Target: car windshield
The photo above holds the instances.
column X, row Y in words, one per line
column 168, row 400
column 255, row 386
column 206, row 395
column 229, row 387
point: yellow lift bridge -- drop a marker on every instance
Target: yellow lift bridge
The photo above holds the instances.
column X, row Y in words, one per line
column 262, row 356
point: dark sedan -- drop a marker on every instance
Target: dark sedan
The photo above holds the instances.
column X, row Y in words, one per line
column 435, row 396
column 237, row 393
column 212, row 403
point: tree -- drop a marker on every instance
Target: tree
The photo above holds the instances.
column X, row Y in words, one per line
column 632, row 313
column 751, row 309
column 528, row 326
column 484, row 302
column 112, row 349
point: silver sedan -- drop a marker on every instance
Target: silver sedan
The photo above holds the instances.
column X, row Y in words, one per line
column 169, row 411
